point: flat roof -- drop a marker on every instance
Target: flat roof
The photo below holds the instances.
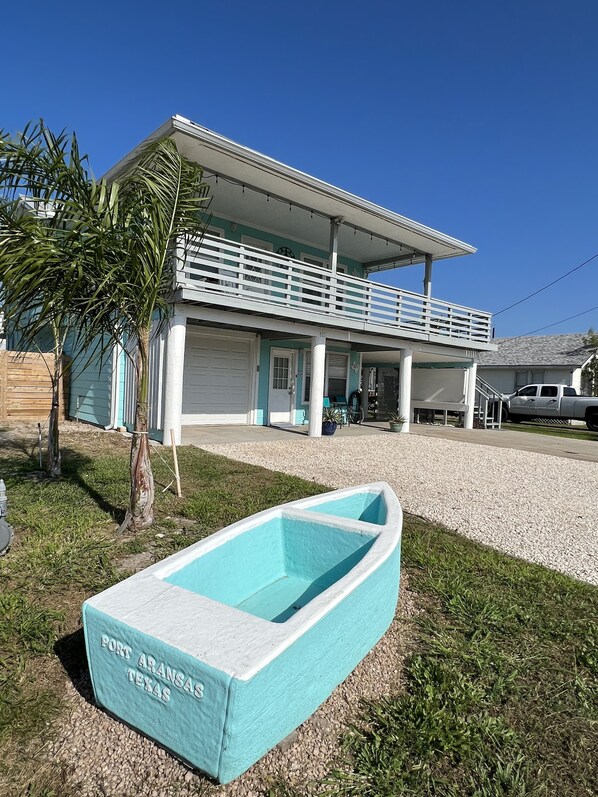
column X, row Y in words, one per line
column 259, row 190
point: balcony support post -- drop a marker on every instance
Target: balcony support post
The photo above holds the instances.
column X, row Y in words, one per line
column 316, row 387
column 471, row 376
column 405, row 388
column 335, row 224
column 365, row 386
column 173, row 378
column 428, row 277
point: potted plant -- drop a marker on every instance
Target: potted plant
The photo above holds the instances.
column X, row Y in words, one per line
column 396, row 421
column 331, row 417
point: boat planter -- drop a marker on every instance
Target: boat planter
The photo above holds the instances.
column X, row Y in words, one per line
column 221, row 650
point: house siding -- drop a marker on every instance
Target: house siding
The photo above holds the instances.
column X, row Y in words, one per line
column 504, row 379
column 301, row 414
column 91, row 390
column 354, row 268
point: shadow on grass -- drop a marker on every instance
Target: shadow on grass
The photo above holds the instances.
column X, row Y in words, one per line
column 74, row 467
column 24, row 464
column 70, row 650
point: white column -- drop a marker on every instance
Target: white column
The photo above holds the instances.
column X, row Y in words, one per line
column 173, row 377
column 428, row 277
column 405, row 387
column 365, row 381
column 335, row 223
column 316, row 387
column 472, row 373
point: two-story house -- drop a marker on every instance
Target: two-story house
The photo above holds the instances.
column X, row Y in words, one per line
column 278, row 306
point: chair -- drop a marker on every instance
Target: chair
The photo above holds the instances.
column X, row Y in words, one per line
column 340, row 403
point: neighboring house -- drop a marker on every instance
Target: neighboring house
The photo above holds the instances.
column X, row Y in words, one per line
column 557, row 359
column 277, row 309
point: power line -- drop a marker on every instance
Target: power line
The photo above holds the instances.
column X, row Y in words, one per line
column 548, row 326
column 560, row 322
column 550, row 284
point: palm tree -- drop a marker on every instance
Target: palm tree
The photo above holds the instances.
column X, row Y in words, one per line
column 153, row 210
column 41, row 176
column 98, row 257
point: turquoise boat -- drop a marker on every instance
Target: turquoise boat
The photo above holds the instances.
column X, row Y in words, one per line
column 221, row 650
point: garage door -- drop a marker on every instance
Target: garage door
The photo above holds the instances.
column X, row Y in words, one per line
column 216, row 384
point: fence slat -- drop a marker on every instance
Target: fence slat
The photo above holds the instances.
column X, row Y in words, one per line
column 26, row 387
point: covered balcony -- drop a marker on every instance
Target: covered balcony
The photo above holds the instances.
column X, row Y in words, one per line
column 243, row 278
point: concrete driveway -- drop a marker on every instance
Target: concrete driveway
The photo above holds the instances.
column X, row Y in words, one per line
column 488, row 486
column 569, row 448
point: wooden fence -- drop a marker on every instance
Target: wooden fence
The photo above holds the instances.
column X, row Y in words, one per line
column 26, row 388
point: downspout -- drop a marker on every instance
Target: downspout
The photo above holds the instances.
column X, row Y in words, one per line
column 114, row 391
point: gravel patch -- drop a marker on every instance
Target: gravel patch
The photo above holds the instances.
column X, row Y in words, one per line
column 102, row 757
column 540, row 508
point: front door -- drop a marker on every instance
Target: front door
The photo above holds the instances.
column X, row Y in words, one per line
column 281, row 397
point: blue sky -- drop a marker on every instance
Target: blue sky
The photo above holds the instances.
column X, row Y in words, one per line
column 477, row 118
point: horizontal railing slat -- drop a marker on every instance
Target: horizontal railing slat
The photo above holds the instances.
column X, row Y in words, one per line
column 233, row 269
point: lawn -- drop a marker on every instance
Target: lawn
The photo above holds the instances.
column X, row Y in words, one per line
column 502, row 687
column 572, row 432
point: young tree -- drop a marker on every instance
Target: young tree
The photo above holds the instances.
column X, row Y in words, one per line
column 98, row 257
column 153, row 210
column 589, row 373
column 41, row 175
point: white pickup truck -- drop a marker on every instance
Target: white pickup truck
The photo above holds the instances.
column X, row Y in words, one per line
column 551, row 401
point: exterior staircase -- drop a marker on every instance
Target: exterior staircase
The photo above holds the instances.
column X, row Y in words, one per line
column 487, row 407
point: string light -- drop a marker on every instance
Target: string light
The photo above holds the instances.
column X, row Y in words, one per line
column 311, row 211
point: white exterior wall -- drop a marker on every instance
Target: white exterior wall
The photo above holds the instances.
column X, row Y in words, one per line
column 503, row 379
column 438, row 384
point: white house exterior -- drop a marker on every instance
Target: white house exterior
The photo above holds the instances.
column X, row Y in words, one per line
column 555, row 359
column 278, row 306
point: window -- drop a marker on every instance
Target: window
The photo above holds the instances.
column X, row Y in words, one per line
column 521, row 379
column 569, row 391
column 528, row 391
column 313, row 294
column 538, row 377
column 335, row 375
column 280, row 373
column 549, row 391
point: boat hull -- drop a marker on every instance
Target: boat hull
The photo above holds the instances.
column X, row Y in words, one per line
column 221, row 650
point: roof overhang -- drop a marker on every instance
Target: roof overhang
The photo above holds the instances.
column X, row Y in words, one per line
column 263, row 192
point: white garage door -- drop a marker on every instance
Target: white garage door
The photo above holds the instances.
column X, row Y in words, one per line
column 216, row 384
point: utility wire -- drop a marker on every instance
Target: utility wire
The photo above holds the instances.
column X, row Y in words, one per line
column 556, row 323
column 548, row 326
column 550, row 284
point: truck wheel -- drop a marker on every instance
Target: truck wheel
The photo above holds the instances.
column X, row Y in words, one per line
column 504, row 414
column 592, row 421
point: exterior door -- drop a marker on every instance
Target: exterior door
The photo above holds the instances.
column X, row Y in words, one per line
column 524, row 403
column 547, row 403
column 257, row 277
column 281, row 397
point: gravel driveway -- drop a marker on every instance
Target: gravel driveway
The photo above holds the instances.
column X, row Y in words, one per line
column 537, row 507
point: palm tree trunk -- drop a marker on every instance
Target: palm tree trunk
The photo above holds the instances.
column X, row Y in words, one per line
column 53, row 463
column 141, row 502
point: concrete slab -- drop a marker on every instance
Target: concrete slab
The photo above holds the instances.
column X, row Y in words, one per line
column 585, row 450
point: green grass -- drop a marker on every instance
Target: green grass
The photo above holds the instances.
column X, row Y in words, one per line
column 572, row 432
column 502, row 693
column 501, row 697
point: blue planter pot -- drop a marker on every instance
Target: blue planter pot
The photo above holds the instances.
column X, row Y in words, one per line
column 328, row 428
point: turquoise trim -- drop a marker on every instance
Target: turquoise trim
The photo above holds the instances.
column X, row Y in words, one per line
column 354, row 267
column 301, row 414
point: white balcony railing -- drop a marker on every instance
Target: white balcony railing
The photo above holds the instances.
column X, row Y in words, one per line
column 242, row 273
